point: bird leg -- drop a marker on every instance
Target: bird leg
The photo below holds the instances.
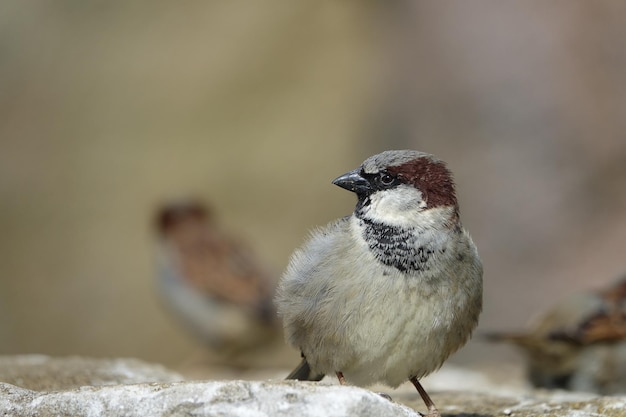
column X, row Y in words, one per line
column 432, row 410
column 342, row 380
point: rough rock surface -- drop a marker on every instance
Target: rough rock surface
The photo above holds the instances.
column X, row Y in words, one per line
column 43, row 386
column 210, row 398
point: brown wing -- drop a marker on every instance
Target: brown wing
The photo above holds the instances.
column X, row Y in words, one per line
column 605, row 327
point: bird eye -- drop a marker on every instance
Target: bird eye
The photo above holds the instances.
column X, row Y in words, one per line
column 386, row 179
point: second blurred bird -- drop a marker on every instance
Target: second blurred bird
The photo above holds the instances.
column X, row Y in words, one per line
column 579, row 345
column 212, row 282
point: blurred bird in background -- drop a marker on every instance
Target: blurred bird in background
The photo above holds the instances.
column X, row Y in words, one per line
column 212, row 282
column 580, row 345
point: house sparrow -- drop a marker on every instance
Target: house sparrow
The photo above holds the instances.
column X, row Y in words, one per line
column 212, row 282
column 580, row 345
column 389, row 292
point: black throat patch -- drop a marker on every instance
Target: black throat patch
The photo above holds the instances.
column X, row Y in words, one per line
column 397, row 246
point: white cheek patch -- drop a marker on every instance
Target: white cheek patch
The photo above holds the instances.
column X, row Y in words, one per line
column 398, row 206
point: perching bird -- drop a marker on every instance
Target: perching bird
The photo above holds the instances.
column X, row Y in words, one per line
column 580, row 345
column 212, row 282
column 389, row 292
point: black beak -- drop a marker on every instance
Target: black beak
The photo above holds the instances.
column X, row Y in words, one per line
column 353, row 181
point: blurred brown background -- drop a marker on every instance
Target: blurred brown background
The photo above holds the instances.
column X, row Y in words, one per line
column 108, row 108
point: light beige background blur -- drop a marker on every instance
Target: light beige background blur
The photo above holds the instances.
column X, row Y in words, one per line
column 108, row 108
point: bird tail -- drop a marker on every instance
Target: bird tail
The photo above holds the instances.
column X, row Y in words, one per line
column 303, row 373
